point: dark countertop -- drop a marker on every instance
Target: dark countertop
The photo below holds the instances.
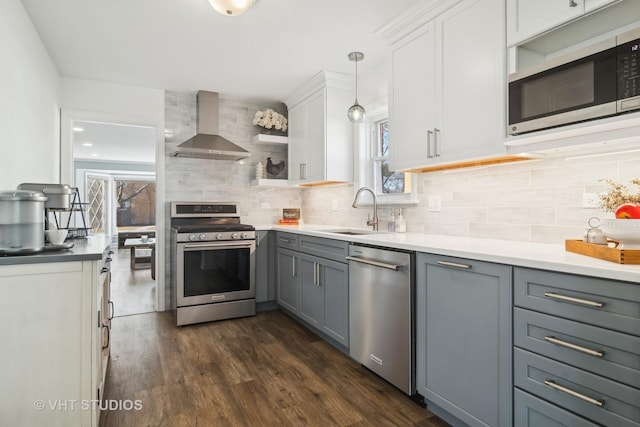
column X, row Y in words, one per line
column 87, row 249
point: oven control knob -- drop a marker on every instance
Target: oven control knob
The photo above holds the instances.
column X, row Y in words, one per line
column 218, row 236
column 202, row 236
column 192, row 237
column 234, row 235
column 243, row 235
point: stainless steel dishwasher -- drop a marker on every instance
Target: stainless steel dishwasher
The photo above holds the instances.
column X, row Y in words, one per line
column 381, row 313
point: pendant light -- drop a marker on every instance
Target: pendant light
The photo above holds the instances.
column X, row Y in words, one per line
column 356, row 113
column 231, row 7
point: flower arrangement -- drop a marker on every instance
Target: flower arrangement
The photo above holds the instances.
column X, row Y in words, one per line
column 270, row 119
column 619, row 200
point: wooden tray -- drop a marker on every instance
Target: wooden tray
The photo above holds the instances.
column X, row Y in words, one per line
column 621, row 256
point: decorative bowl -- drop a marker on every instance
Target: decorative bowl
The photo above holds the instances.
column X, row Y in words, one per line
column 624, row 231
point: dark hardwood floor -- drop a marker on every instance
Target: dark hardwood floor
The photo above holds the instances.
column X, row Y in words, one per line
column 265, row 370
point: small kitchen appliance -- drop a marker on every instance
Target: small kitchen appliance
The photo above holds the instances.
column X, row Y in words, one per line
column 597, row 81
column 58, row 198
column 212, row 262
column 21, row 222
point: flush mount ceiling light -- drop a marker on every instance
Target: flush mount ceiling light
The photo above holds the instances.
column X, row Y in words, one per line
column 356, row 112
column 231, row 7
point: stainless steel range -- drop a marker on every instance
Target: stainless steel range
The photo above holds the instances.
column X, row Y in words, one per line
column 212, row 262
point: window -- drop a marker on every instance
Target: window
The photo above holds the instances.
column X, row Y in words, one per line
column 391, row 187
column 136, row 202
column 386, row 181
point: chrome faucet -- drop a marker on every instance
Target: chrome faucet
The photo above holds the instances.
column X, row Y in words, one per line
column 372, row 222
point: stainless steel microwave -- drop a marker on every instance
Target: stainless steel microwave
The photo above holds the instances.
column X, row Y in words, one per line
column 598, row 81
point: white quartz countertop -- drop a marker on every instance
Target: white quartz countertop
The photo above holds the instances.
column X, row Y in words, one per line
column 543, row 256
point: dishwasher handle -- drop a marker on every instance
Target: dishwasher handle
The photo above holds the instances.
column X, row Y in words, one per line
column 374, row 262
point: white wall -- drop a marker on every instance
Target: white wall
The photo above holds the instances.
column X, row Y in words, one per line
column 29, row 102
column 129, row 101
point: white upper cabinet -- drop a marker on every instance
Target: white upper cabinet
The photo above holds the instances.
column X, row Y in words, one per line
column 448, row 82
column 320, row 134
column 529, row 18
column 412, row 90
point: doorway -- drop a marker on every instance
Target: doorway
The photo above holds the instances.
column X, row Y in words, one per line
column 114, row 170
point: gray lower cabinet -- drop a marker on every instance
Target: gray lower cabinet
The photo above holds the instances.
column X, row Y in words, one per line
column 576, row 350
column 463, row 352
column 288, row 280
column 324, row 299
column 315, row 288
column 529, row 411
column 265, row 280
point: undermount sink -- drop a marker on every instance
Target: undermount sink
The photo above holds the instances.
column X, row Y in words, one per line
column 353, row 232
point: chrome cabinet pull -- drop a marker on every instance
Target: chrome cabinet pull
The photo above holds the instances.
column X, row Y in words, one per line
column 293, row 266
column 575, row 347
column 436, row 131
column 553, row 385
column 374, row 263
column 112, row 310
column 285, row 240
column 303, row 171
column 316, row 274
column 429, row 155
column 580, row 301
column 454, row 264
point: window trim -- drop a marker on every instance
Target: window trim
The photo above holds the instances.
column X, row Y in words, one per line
column 366, row 152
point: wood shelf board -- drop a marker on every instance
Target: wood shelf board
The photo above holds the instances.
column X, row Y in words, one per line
column 270, row 182
column 270, row 139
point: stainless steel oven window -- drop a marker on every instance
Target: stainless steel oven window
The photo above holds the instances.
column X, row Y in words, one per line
column 210, row 272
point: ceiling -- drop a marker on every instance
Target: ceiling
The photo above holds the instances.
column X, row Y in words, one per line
column 184, row 45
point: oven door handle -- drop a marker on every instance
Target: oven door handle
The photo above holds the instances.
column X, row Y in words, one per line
column 218, row 245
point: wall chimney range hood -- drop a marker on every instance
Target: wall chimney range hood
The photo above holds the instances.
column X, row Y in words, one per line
column 206, row 143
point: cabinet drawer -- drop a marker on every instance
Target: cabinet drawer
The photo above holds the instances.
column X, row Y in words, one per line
column 287, row 240
column 604, row 352
column 607, row 303
column 594, row 397
column 529, row 411
column 336, row 250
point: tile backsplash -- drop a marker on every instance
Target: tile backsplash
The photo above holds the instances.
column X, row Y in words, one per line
column 537, row 201
column 223, row 180
column 188, row 179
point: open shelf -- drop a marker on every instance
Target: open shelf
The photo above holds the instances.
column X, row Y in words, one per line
column 270, row 139
column 270, row 183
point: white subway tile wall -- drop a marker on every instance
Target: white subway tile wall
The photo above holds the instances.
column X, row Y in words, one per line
column 534, row 201
column 190, row 179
